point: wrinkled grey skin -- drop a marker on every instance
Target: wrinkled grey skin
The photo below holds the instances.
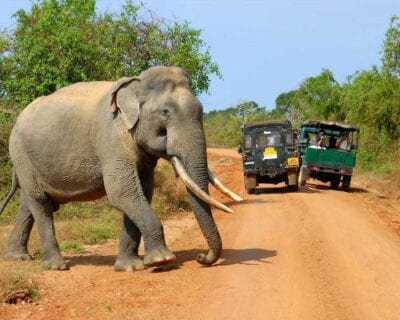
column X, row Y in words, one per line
column 93, row 139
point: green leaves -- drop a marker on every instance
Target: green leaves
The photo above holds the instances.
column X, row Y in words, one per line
column 223, row 128
column 58, row 42
column 391, row 52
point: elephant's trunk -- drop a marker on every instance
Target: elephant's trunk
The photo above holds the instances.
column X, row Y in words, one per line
column 195, row 163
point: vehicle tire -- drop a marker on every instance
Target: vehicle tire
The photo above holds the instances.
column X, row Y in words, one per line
column 250, row 183
column 293, row 188
column 302, row 179
column 335, row 182
column 346, row 181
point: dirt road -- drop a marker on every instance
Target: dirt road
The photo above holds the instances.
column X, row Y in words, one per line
column 314, row 254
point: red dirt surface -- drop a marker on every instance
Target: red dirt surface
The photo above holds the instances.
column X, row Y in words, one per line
column 315, row 254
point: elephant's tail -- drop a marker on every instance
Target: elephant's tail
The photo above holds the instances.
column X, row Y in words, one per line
column 14, row 187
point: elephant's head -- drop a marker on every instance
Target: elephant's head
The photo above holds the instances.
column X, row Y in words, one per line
column 165, row 119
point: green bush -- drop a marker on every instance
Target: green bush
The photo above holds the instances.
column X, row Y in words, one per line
column 94, row 231
column 71, row 245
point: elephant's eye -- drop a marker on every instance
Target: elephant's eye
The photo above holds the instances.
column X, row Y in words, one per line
column 164, row 113
column 162, row 132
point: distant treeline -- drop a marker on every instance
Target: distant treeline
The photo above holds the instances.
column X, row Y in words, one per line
column 369, row 99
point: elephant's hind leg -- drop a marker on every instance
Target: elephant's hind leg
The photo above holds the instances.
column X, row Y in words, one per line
column 19, row 237
column 42, row 210
column 128, row 259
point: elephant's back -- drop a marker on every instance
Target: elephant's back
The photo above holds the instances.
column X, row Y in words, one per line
column 89, row 92
column 67, row 108
column 81, row 95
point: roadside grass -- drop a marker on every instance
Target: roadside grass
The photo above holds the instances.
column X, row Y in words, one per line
column 71, row 246
column 170, row 195
column 19, row 276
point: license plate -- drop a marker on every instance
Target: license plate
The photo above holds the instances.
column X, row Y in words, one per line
column 270, row 153
column 293, row 161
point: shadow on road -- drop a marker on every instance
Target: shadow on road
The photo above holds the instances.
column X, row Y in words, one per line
column 358, row 190
column 273, row 190
column 94, row 260
column 250, row 256
column 317, row 187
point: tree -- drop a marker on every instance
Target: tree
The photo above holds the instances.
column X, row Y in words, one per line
column 250, row 111
column 319, row 97
column 223, row 127
column 284, row 103
column 58, row 42
column 372, row 100
column 5, row 62
column 286, row 108
column 391, row 52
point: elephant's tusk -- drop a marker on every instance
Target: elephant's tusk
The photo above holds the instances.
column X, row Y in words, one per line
column 191, row 185
column 221, row 188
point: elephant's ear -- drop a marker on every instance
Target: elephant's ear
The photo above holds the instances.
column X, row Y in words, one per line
column 125, row 99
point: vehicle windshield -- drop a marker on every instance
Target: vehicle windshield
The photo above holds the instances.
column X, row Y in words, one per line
column 268, row 138
column 247, row 141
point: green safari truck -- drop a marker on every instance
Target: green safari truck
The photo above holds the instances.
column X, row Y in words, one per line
column 327, row 152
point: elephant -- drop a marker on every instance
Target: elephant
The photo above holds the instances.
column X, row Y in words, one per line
column 102, row 138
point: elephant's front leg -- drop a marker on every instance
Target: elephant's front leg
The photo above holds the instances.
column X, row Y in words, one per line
column 128, row 258
column 129, row 241
column 125, row 192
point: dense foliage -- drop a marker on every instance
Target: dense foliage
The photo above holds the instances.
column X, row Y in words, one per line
column 223, row 127
column 59, row 42
column 369, row 99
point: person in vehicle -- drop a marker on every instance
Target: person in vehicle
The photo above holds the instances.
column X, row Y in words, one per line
column 343, row 142
column 332, row 142
column 321, row 139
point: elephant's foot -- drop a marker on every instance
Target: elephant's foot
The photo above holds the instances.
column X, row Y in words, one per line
column 17, row 255
column 128, row 263
column 158, row 257
column 55, row 263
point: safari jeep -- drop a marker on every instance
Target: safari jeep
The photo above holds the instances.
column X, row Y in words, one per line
column 269, row 155
column 333, row 159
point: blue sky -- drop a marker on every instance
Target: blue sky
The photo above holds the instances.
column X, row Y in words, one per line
column 267, row 47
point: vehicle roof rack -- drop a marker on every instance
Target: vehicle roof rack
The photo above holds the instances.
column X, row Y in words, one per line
column 280, row 123
column 330, row 125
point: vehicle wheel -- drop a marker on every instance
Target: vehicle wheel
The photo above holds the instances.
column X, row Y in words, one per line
column 302, row 179
column 250, row 183
column 335, row 182
column 346, row 181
